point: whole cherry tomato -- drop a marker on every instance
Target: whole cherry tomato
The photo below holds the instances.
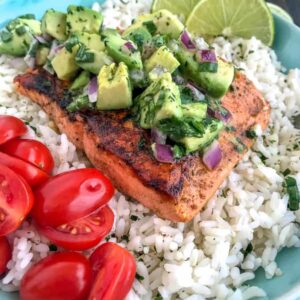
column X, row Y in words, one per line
column 31, row 151
column 10, row 128
column 16, row 200
column 5, row 254
column 114, row 271
column 33, row 175
column 60, row 276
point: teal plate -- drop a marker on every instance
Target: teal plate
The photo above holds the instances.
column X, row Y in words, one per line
column 287, row 47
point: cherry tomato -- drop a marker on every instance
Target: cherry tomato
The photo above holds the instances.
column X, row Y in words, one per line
column 60, row 276
column 71, row 196
column 114, row 268
column 33, row 175
column 81, row 234
column 31, row 151
column 16, row 200
column 5, row 254
column 10, row 128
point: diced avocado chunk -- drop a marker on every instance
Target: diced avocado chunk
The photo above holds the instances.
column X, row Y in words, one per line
column 91, row 60
column 114, row 88
column 122, row 50
column 41, row 55
column 138, row 23
column 160, row 22
column 80, row 18
column 140, row 36
column 64, row 63
column 54, row 24
column 81, row 81
column 161, row 100
column 90, row 40
column 162, row 57
column 159, row 72
column 211, row 129
column 215, row 84
column 15, row 42
column 197, row 110
column 34, row 26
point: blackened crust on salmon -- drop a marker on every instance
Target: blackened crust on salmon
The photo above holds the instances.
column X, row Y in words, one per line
column 120, row 149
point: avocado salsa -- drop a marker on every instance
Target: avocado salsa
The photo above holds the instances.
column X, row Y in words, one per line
column 154, row 69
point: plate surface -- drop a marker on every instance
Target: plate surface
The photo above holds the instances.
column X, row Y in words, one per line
column 287, row 40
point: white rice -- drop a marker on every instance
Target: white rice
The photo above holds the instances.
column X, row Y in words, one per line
column 202, row 259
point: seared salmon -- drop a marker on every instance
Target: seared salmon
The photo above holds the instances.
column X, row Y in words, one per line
column 121, row 150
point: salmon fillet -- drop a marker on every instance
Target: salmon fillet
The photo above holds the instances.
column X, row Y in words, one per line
column 121, row 150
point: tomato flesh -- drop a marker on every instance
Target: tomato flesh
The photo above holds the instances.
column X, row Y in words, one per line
column 81, row 234
column 31, row 151
column 5, row 254
column 33, row 175
column 16, row 200
column 70, row 196
column 114, row 271
column 59, row 276
column 10, row 128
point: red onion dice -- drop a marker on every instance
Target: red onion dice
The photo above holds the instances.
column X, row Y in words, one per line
column 198, row 95
column 93, row 90
column 212, row 155
column 207, row 56
column 158, row 137
column 223, row 115
column 187, row 41
column 163, row 153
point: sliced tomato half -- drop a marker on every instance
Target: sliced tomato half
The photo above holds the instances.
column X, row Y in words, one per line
column 10, row 128
column 33, row 175
column 31, row 151
column 83, row 233
column 16, row 200
column 70, row 196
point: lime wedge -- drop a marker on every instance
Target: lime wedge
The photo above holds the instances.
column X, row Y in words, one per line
column 230, row 18
column 181, row 8
column 277, row 10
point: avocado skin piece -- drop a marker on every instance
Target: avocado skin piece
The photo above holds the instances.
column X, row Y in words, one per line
column 162, row 57
column 90, row 40
column 215, row 84
column 197, row 110
column 116, row 48
column 54, row 24
column 140, row 36
column 64, row 63
column 80, row 18
column 18, row 45
column 100, row 59
column 161, row 100
column 160, row 22
column 81, row 81
column 41, row 55
column 211, row 130
column 114, row 88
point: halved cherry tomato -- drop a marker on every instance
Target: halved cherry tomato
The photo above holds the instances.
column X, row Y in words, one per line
column 5, row 254
column 70, row 196
column 10, row 128
column 114, row 268
column 81, row 234
column 31, row 151
column 16, row 200
column 60, row 276
column 33, row 175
